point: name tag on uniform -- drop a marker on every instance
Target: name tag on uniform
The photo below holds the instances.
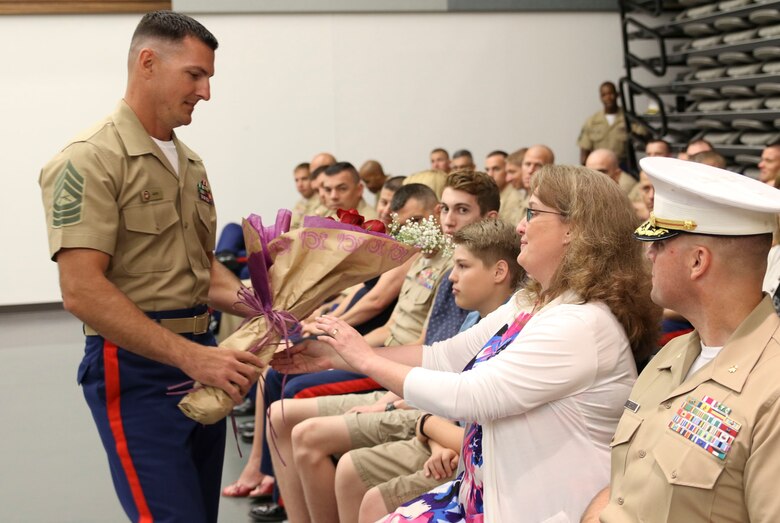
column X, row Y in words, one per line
column 150, row 195
column 633, row 406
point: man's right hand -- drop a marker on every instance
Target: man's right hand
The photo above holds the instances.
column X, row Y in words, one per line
column 231, row 370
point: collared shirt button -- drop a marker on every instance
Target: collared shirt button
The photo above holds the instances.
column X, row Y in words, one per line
column 673, row 474
column 620, row 501
column 186, row 225
column 667, row 405
column 642, row 453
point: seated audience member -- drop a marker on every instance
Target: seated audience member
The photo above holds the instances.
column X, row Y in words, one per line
column 440, row 160
column 343, row 189
column 606, row 161
column 697, row 443
column 385, row 197
column 495, row 167
column 693, row 147
column 643, row 201
column 462, row 160
column 373, row 176
column 435, row 180
column 605, row 129
column 514, row 196
column 309, row 197
column 372, row 481
column 711, row 158
column 769, row 166
column 551, row 369
column 658, row 148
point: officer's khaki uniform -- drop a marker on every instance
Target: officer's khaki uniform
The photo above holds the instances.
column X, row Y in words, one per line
column 114, row 191
column 596, row 133
column 416, row 298
column 304, row 207
column 660, row 476
column 513, row 205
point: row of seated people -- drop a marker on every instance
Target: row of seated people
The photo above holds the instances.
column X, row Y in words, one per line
column 307, row 433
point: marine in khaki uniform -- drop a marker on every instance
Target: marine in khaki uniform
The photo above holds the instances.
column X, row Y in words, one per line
column 699, row 440
column 343, row 189
column 605, row 129
column 131, row 224
column 416, row 297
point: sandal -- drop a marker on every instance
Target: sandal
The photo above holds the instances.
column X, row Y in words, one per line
column 263, row 492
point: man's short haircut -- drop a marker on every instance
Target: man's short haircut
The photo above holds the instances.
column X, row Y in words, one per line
column 666, row 144
column 461, row 153
column 497, row 152
column 174, row 27
column 339, row 167
column 316, row 172
column 773, row 144
column 304, row 165
column 710, row 158
column 608, row 83
column 491, row 240
column 440, row 150
column 480, row 185
column 421, row 193
column 700, row 140
column 394, row 183
column 516, row 157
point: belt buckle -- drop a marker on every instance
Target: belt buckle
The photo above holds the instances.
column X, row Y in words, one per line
column 198, row 329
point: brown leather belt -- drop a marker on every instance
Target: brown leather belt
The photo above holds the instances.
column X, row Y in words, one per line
column 195, row 325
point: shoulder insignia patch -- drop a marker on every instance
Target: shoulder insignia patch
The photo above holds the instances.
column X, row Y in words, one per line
column 68, row 197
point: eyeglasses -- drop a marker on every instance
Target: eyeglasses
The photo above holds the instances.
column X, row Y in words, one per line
column 530, row 213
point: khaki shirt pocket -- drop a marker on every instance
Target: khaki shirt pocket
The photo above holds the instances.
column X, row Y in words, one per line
column 685, row 464
column 627, row 427
column 146, row 244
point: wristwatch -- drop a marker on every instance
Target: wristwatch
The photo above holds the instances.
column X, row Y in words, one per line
column 390, row 406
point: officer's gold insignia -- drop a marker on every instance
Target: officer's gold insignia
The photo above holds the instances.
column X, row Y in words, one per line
column 68, row 197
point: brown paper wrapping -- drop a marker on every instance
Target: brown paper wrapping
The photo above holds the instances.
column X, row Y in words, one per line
column 309, row 266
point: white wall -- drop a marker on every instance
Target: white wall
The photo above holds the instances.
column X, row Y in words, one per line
column 383, row 86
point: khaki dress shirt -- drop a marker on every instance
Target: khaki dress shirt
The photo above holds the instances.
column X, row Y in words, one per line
column 705, row 448
column 113, row 190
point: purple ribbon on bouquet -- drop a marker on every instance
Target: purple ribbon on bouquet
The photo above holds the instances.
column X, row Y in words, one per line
column 259, row 298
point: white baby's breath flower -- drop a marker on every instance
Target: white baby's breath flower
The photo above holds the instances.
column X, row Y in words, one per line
column 425, row 235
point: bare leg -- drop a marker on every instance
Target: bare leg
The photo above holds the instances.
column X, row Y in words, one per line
column 251, row 477
column 314, row 442
column 295, row 411
column 350, row 490
column 372, row 508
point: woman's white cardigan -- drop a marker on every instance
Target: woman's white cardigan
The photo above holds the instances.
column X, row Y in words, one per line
column 548, row 404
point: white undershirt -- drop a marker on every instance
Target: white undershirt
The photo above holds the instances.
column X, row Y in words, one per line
column 610, row 118
column 706, row 355
column 169, row 150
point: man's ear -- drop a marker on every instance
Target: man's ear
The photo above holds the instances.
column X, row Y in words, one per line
column 437, row 211
column 491, row 214
column 700, row 261
column 146, row 61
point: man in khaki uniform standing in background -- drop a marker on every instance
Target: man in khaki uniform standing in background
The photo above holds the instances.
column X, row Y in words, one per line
column 699, row 440
column 131, row 224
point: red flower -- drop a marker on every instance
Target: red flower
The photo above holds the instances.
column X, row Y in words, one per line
column 374, row 226
column 350, row 217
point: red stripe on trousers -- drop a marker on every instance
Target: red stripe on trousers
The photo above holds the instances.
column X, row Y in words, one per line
column 111, row 364
column 341, row 387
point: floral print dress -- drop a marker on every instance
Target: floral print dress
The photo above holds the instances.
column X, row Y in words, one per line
column 460, row 500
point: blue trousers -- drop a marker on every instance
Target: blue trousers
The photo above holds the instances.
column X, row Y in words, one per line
column 165, row 467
